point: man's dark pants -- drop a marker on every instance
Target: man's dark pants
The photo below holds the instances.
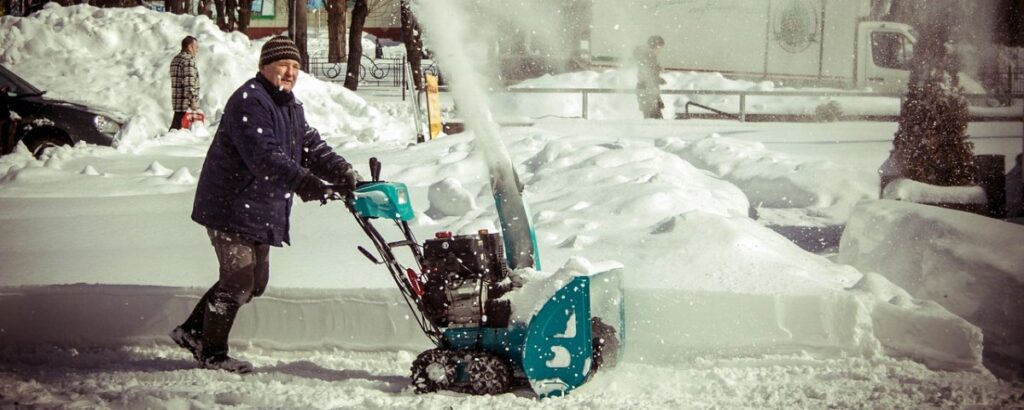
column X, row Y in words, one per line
column 244, row 273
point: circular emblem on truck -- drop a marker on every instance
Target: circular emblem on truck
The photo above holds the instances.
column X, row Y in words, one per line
column 796, row 25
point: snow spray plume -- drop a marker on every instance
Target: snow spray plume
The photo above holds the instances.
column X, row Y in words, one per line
column 445, row 31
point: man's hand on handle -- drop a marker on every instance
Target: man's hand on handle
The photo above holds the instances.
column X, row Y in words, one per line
column 312, row 188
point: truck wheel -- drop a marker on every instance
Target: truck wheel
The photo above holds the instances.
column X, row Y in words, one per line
column 488, row 374
column 38, row 144
column 605, row 345
column 433, row 370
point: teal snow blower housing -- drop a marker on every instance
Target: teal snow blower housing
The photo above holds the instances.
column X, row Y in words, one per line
column 457, row 296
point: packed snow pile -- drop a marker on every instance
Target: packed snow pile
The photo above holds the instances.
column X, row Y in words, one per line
column 119, row 58
column 906, row 189
column 970, row 264
column 776, row 181
column 447, row 197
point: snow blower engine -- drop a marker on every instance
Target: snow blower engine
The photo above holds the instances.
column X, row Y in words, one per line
column 457, row 296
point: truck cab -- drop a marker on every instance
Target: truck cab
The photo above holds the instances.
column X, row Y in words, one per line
column 887, row 49
column 883, row 63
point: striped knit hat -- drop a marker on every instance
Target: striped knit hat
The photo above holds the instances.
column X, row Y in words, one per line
column 279, row 48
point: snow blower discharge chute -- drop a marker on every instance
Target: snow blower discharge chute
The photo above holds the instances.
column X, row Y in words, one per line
column 456, row 294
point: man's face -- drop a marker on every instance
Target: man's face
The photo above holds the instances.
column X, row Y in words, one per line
column 282, row 74
column 193, row 48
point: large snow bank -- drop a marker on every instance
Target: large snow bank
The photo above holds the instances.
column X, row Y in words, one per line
column 970, row 264
column 119, row 58
column 702, row 278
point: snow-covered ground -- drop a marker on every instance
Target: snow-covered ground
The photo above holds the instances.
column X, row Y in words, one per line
column 100, row 259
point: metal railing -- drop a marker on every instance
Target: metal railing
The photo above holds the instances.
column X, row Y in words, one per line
column 742, row 112
column 1010, row 80
column 384, row 72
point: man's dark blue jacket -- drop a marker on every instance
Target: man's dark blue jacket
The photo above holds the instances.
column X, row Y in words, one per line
column 256, row 161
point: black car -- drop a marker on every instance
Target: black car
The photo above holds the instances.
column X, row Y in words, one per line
column 42, row 122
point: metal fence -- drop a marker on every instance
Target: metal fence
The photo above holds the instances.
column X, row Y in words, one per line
column 1010, row 80
column 741, row 114
column 382, row 72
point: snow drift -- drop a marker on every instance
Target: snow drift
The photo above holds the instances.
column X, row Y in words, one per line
column 970, row 264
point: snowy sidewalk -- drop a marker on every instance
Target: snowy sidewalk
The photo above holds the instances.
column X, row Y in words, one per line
column 163, row 376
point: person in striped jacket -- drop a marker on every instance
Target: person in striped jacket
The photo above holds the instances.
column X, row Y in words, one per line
column 184, row 81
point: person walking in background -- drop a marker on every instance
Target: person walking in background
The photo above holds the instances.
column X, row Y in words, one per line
column 184, row 81
column 648, row 82
column 262, row 152
column 378, row 51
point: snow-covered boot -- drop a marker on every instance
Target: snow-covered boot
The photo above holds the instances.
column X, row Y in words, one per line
column 195, row 319
column 226, row 363
column 218, row 319
column 187, row 340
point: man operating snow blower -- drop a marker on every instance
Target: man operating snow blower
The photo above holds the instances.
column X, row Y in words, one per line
column 263, row 151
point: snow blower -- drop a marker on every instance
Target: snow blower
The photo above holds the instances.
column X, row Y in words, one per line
column 457, row 294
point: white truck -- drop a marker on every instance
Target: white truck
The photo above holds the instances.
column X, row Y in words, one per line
column 831, row 43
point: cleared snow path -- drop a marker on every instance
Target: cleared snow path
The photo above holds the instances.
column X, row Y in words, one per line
column 163, row 376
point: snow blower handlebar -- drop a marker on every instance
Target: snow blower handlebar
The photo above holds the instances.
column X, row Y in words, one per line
column 376, row 199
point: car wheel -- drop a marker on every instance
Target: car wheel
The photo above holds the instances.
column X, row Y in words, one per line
column 39, row 144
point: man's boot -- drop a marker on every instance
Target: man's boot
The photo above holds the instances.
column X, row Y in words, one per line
column 217, row 321
column 190, row 334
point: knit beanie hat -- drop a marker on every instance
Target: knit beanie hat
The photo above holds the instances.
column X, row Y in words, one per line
column 279, row 48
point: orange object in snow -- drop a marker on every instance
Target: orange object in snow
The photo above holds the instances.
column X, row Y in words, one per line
column 191, row 117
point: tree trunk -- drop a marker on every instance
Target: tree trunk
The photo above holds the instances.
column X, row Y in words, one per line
column 231, row 13
column 355, row 44
column 103, row 3
column 178, row 6
column 413, row 44
column 244, row 15
column 1009, row 28
column 931, row 144
column 222, row 18
column 335, row 30
column 297, row 29
column 205, row 8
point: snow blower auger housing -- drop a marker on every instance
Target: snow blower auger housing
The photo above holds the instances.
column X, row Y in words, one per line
column 457, row 293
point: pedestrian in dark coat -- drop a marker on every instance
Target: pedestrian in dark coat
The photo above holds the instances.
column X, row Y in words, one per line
column 262, row 152
column 649, row 81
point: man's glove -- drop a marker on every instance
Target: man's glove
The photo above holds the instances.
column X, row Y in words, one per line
column 312, row 188
column 348, row 179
